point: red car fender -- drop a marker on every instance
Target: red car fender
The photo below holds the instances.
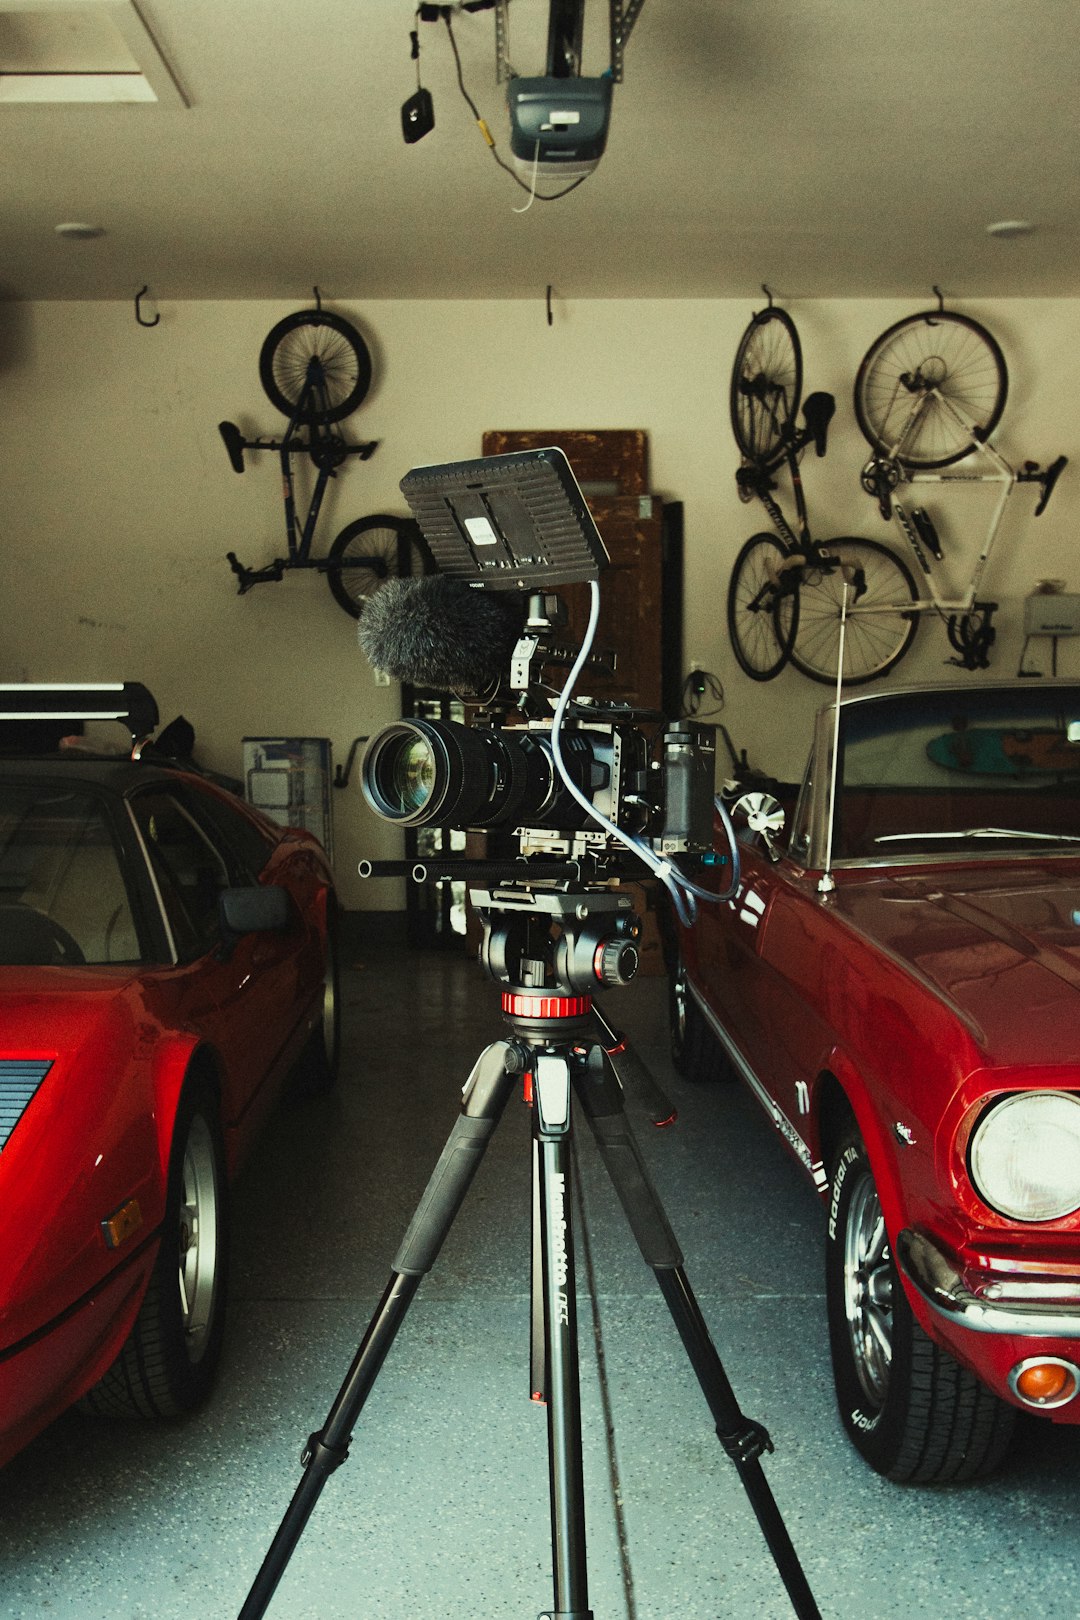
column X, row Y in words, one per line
column 879, row 1147
column 171, row 1067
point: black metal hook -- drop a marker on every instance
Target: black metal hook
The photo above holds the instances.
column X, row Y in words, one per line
column 767, row 293
column 940, row 296
column 318, row 300
column 549, row 314
column 139, row 296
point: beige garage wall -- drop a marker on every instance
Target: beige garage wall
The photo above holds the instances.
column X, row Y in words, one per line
column 120, row 503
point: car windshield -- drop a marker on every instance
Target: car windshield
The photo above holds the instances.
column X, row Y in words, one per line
column 62, row 895
column 959, row 772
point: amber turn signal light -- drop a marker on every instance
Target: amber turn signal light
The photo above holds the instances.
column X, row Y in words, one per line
column 1045, row 1382
column 121, row 1224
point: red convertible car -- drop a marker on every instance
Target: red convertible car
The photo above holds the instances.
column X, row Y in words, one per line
column 166, row 958
column 897, row 978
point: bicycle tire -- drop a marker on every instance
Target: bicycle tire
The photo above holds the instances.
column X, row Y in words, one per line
column 875, row 638
column 345, row 362
column 952, row 353
column 366, row 554
column 766, row 383
column 762, row 632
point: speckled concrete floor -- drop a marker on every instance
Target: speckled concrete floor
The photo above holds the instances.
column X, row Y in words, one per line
column 441, row 1511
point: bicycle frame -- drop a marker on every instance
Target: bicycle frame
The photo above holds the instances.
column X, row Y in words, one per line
column 883, row 474
column 328, row 451
column 755, row 478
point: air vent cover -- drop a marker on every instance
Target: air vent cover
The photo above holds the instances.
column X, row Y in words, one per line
column 19, row 1080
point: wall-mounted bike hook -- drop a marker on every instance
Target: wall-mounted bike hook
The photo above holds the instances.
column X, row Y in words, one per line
column 318, row 300
column 940, row 296
column 139, row 296
column 550, row 317
column 767, row 293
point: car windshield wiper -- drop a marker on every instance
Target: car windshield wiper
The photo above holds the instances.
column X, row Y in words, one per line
column 983, row 832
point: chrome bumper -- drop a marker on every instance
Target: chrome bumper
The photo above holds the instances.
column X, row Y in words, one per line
column 944, row 1290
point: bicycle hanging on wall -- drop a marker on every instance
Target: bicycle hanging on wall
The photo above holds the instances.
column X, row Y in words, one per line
column 929, row 392
column 315, row 368
column 772, row 618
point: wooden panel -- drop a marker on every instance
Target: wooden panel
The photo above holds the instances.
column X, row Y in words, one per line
column 605, row 461
column 631, row 593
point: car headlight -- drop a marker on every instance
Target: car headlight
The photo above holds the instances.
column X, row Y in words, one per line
column 1024, row 1155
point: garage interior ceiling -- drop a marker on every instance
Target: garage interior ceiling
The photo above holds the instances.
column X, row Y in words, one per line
column 829, row 148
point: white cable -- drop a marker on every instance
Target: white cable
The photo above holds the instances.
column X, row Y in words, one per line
column 532, row 187
column 679, row 887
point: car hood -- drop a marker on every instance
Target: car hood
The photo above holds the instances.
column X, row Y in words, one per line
column 1001, row 945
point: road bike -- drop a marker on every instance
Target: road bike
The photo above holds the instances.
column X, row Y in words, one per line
column 315, row 368
column 785, row 586
column 929, row 392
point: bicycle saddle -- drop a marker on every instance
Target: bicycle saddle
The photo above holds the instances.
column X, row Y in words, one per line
column 818, row 410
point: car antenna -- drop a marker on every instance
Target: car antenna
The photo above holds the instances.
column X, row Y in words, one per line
column 826, row 882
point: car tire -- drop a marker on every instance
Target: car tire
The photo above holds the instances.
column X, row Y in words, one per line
column 695, row 1051
column 911, row 1411
column 317, row 1067
column 170, row 1358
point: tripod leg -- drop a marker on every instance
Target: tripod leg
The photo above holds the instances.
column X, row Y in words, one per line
column 743, row 1439
column 551, row 1103
column 485, row 1096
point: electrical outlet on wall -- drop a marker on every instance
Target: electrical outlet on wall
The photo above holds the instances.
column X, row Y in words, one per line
column 381, row 678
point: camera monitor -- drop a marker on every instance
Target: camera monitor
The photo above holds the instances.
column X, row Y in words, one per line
column 512, row 522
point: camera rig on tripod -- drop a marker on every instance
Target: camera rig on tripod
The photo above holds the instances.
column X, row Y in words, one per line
column 557, row 929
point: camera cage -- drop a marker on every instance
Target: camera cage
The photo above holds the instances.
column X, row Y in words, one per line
column 520, row 522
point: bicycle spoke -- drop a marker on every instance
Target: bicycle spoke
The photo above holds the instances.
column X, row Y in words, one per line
column 766, row 383
column 924, row 381
column 762, row 608
column 880, row 626
column 366, row 554
column 317, row 348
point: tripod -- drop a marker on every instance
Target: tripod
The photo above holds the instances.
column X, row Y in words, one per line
column 550, row 949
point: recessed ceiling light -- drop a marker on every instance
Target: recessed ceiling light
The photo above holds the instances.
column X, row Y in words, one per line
column 1006, row 228
column 74, row 231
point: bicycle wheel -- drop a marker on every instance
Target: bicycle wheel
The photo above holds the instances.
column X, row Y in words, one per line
column 763, row 616
column 332, row 348
column 880, row 627
column 930, row 388
column 366, row 554
column 766, row 383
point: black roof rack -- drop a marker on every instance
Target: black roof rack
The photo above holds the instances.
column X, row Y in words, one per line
column 24, row 707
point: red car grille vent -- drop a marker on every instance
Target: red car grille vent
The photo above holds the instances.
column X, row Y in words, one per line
column 19, row 1081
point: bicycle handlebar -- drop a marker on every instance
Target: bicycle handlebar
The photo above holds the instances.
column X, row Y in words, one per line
column 1032, row 473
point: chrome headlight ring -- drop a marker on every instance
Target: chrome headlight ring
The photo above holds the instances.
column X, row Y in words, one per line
column 1024, row 1155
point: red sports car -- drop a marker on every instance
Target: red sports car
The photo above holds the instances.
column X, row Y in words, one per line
column 897, row 978
column 166, row 958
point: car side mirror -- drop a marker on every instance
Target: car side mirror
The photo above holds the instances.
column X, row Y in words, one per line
column 260, row 909
column 762, row 814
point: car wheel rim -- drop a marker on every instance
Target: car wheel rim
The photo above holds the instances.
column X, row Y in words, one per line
column 329, row 1004
column 868, row 1290
column 679, row 994
column 199, row 1216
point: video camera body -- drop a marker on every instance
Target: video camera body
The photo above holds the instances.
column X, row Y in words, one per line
column 518, row 524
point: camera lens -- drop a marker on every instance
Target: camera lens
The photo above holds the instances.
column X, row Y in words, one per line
column 437, row 773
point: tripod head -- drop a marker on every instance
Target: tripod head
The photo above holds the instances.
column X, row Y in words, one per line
column 547, row 944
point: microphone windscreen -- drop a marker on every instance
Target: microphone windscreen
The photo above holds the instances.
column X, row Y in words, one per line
column 435, row 631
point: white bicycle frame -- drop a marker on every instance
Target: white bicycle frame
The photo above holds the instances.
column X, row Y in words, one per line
column 1002, row 473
